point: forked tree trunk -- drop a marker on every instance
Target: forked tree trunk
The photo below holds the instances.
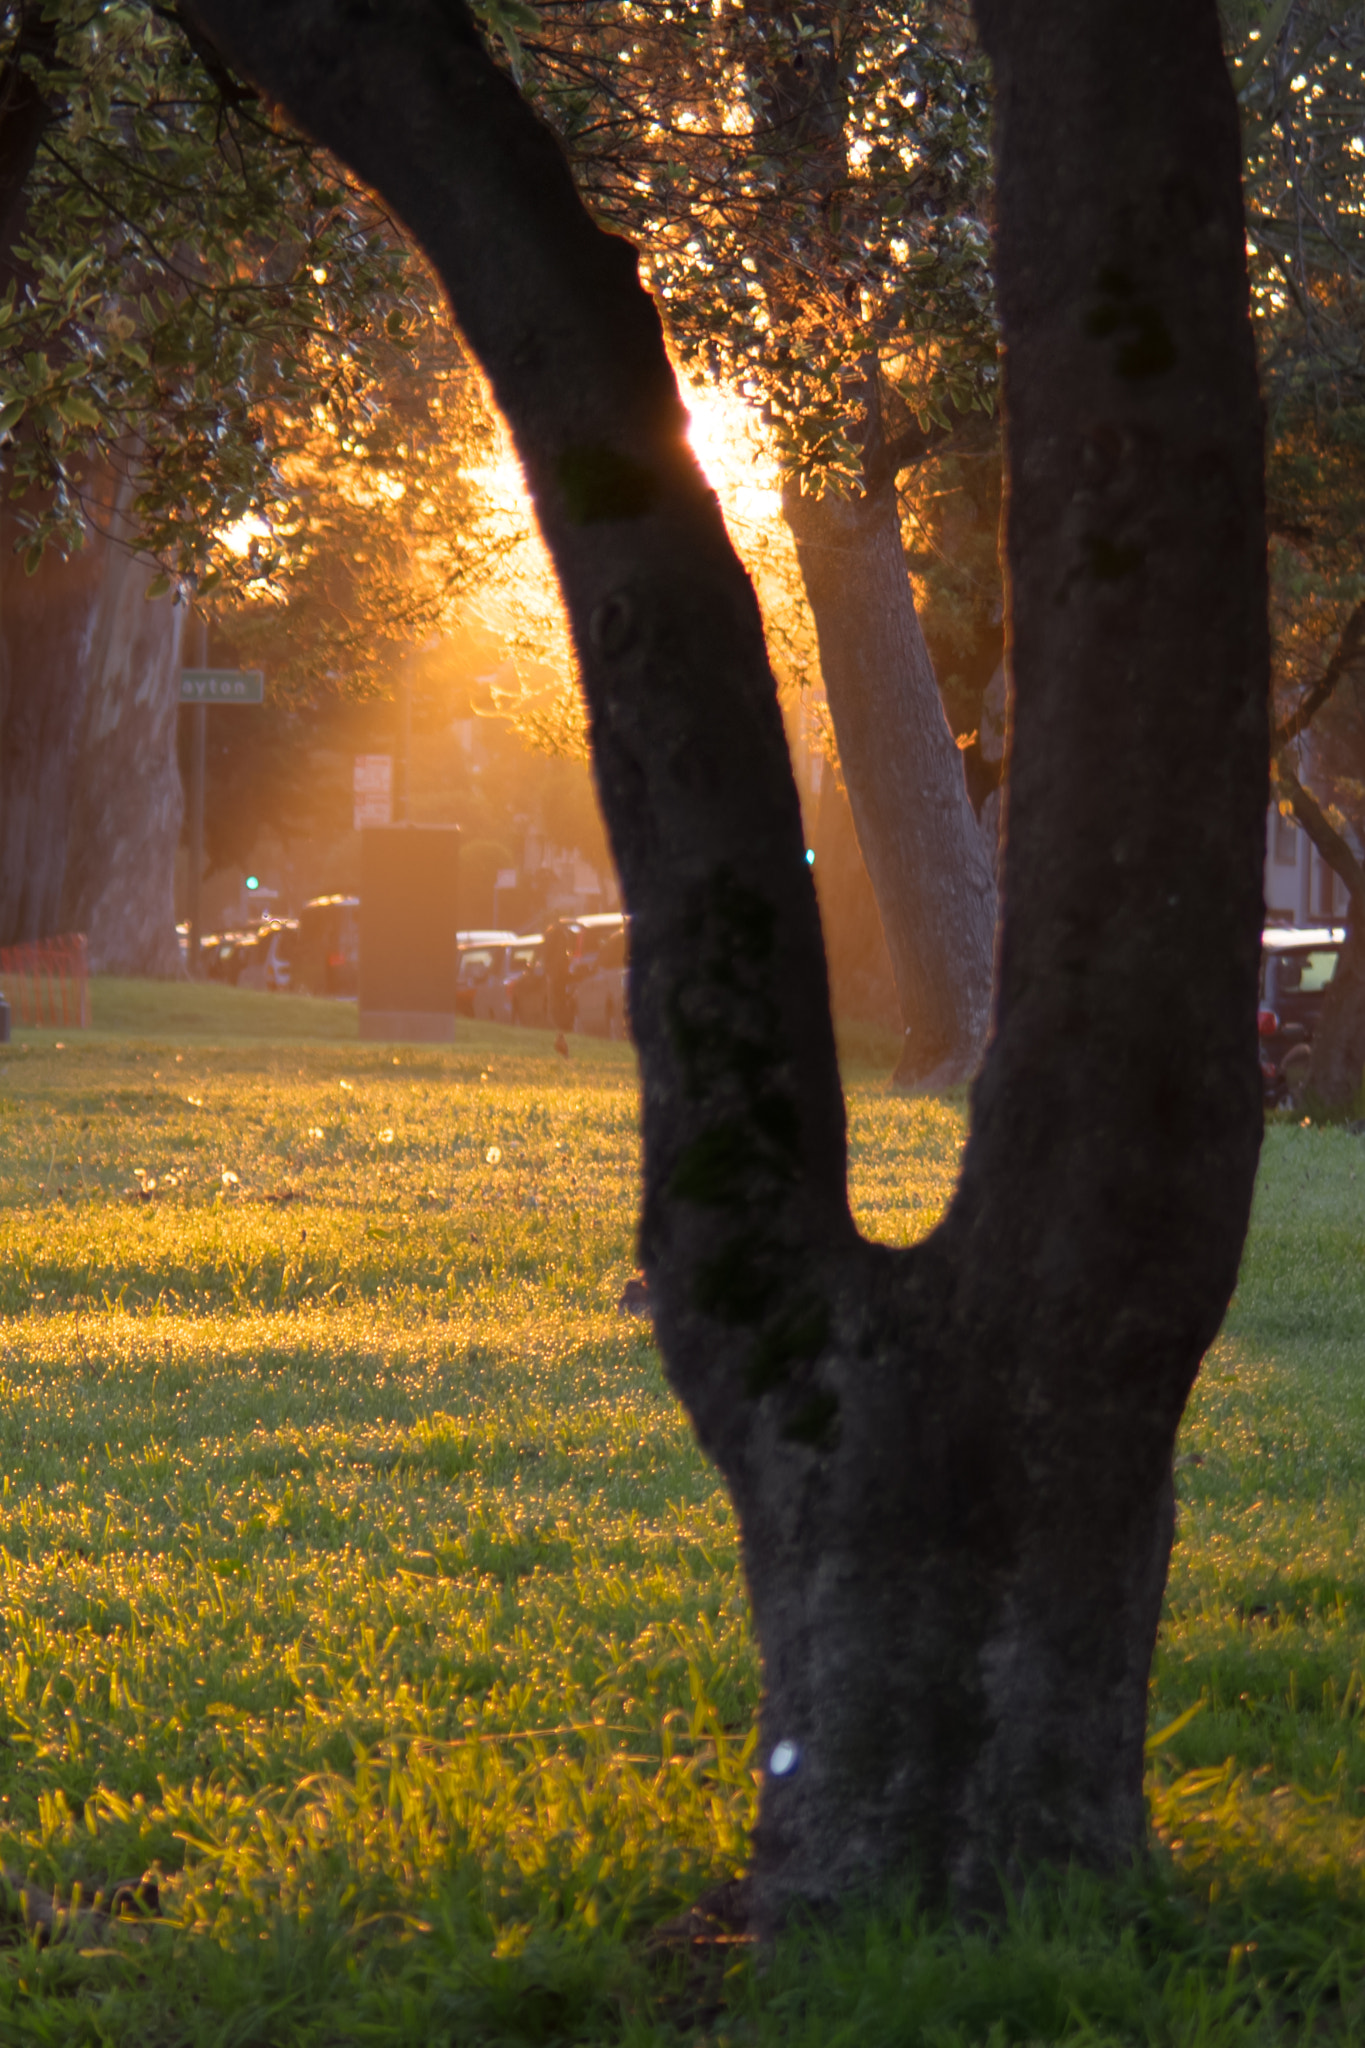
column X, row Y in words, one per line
column 915, row 823
column 951, row 1465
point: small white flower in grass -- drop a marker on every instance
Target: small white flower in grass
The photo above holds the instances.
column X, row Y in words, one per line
column 195, row 1101
column 386, row 1137
column 230, row 1179
column 493, row 1154
column 349, row 1086
column 315, row 1130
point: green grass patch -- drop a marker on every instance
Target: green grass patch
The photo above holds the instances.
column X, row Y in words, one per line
column 359, row 1577
column 173, row 1011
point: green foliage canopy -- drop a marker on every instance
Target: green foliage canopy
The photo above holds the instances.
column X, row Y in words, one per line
column 809, row 188
column 190, row 283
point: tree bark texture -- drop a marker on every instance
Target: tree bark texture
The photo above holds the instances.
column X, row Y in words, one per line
column 89, row 786
column 127, row 802
column 916, row 827
column 46, row 622
column 951, row 1464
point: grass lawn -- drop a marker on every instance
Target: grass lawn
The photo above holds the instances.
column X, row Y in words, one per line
column 358, row 1577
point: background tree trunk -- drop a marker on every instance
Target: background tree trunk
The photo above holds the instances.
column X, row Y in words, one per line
column 862, row 986
column 901, row 768
column 126, row 794
column 89, row 785
column 903, row 773
column 46, row 623
column 1337, row 1058
column 1338, row 1055
column 950, row 1464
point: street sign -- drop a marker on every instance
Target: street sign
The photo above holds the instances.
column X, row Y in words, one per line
column 222, row 686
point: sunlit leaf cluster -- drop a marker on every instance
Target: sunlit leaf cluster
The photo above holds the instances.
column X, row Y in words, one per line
column 809, row 191
column 194, row 290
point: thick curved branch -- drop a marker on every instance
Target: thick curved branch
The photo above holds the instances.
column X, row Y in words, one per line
column 1348, row 649
column 1324, row 835
column 230, row 90
column 913, row 445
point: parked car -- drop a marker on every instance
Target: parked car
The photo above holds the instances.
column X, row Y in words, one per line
column 525, row 999
column 228, row 955
column 503, row 983
column 478, row 959
column 1297, row 967
column 599, row 986
column 321, row 956
column 266, row 958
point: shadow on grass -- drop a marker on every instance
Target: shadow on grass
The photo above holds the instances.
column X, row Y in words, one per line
column 1151, row 1957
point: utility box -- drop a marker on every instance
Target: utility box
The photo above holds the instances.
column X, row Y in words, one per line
column 409, row 878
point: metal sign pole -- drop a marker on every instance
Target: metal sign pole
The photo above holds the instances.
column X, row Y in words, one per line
column 200, row 687
column 199, row 721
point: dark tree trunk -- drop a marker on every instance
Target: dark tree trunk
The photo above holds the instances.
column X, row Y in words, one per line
column 127, row 802
column 915, row 823
column 951, row 1465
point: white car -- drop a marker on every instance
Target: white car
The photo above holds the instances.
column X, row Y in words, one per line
column 601, row 1006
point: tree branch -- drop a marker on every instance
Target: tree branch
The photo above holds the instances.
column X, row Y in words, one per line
column 913, row 445
column 1350, row 644
column 1324, row 835
column 231, row 91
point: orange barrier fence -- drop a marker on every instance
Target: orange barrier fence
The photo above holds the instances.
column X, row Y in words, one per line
column 47, row 981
